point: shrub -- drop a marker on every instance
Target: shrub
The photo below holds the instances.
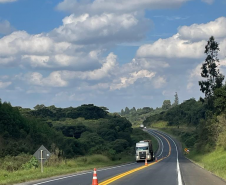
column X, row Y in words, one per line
column 31, row 164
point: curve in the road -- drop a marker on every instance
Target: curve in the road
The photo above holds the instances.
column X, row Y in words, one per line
column 165, row 172
column 108, row 181
column 178, row 166
column 160, row 144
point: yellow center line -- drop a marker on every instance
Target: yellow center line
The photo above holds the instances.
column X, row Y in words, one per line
column 167, row 142
column 108, row 181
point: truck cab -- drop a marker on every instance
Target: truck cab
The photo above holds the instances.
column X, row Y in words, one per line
column 144, row 151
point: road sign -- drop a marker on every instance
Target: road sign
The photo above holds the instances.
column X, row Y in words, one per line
column 186, row 150
column 42, row 154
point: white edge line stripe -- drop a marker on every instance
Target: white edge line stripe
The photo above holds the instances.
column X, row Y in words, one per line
column 178, row 165
column 159, row 140
column 44, row 182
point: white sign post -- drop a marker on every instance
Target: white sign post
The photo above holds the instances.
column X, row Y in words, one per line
column 41, row 161
column 42, row 154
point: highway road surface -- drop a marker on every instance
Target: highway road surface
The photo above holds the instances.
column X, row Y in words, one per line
column 172, row 168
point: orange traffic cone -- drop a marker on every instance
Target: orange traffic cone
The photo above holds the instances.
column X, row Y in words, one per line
column 146, row 162
column 156, row 160
column 95, row 181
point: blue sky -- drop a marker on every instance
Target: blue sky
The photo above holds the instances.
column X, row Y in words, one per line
column 116, row 53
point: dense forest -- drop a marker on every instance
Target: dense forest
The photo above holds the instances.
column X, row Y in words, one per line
column 67, row 132
column 208, row 114
column 138, row 116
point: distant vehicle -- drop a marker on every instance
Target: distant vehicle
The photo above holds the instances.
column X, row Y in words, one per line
column 144, row 150
column 141, row 126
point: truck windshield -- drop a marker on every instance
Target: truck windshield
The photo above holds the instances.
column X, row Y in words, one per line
column 142, row 148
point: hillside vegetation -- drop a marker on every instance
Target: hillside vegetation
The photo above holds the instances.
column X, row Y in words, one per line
column 78, row 138
column 138, row 116
column 201, row 125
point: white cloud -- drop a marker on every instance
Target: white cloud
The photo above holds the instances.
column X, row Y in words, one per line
column 100, row 6
column 105, row 28
column 3, row 85
column 222, row 46
column 172, row 47
column 182, row 54
column 189, row 42
column 63, row 78
column 53, row 80
column 194, row 77
column 21, row 42
column 196, row 32
column 77, row 44
column 7, row 1
column 208, row 1
column 159, row 82
column 6, row 60
column 104, row 71
column 23, row 49
column 109, row 76
column 76, row 70
column 195, row 74
column 133, row 77
column 5, row 27
column 144, row 63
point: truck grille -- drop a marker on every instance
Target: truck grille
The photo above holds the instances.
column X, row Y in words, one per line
column 142, row 155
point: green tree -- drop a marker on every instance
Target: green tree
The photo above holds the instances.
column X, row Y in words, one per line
column 122, row 112
column 220, row 99
column 166, row 105
column 147, row 110
column 210, row 70
column 126, row 110
column 176, row 100
column 133, row 110
column 38, row 107
column 119, row 145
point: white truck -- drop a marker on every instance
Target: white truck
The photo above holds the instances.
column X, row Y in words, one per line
column 144, row 150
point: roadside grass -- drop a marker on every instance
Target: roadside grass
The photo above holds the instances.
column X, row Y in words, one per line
column 160, row 124
column 214, row 161
column 164, row 125
column 155, row 144
column 59, row 168
column 24, row 168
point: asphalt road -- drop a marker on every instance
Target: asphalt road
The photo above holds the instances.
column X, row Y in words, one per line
column 172, row 168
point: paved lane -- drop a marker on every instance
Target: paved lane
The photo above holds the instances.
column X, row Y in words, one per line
column 168, row 171
column 164, row 172
column 191, row 173
column 102, row 174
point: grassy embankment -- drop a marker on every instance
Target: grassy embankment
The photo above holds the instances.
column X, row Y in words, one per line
column 21, row 169
column 213, row 161
column 60, row 167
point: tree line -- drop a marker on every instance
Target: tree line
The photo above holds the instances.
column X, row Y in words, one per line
column 208, row 114
column 138, row 116
column 67, row 132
